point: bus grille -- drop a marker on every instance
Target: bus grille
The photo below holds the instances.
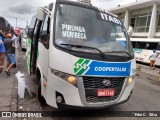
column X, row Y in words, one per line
column 95, row 99
column 97, row 82
column 92, row 84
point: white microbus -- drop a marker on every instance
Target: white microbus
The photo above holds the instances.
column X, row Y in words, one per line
column 143, row 48
column 81, row 56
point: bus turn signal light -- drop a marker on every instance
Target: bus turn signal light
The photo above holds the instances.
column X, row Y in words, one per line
column 72, row 80
column 130, row 80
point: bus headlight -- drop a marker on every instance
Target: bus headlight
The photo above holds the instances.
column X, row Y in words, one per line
column 69, row 78
column 131, row 79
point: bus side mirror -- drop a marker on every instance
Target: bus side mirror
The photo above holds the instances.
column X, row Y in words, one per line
column 130, row 31
column 41, row 14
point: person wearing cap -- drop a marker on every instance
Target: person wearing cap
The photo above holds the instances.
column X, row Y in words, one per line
column 2, row 52
column 10, row 52
column 152, row 59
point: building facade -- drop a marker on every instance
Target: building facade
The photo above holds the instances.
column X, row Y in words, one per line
column 143, row 16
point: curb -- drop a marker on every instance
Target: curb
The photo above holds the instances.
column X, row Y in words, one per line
column 148, row 76
column 14, row 95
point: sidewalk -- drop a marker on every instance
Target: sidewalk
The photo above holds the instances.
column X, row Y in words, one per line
column 8, row 90
column 145, row 72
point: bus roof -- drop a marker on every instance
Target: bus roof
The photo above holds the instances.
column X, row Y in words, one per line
column 4, row 24
column 84, row 5
column 145, row 39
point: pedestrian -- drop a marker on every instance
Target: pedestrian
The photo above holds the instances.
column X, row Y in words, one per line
column 2, row 34
column 2, row 52
column 14, row 38
column 152, row 59
column 10, row 52
column 20, row 39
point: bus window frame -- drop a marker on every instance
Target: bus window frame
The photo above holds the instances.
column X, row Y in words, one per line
column 158, row 46
column 140, row 42
column 153, row 48
column 135, row 44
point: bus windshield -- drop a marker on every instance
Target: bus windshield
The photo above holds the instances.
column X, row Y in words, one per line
column 77, row 26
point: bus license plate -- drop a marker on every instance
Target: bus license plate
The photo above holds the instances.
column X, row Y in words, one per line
column 105, row 92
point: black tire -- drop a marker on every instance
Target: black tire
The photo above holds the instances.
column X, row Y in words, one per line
column 23, row 49
column 40, row 97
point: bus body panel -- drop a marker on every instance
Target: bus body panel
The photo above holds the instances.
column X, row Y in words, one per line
column 91, row 67
column 60, row 60
column 143, row 54
column 133, row 67
column 28, row 51
column 42, row 59
column 42, row 80
column 127, row 92
column 69, row 92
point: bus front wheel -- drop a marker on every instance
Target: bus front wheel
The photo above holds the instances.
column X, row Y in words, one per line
column 40, row 97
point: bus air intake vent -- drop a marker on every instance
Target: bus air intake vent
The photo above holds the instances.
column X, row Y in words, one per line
column 85, row 1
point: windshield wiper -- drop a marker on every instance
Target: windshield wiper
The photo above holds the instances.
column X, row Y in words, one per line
column 102, row 53
column 119, row 52
column 80, row 46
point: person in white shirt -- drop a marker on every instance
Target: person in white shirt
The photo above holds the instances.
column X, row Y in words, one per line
column 152, row 59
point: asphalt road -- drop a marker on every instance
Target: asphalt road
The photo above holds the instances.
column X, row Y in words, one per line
column 145, row 97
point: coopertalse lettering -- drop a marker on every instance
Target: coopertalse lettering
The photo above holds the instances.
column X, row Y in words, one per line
column 115, row 69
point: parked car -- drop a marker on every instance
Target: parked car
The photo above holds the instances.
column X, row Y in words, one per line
column 23, row 39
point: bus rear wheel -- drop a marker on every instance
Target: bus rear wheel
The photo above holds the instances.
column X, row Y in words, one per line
column 40, row 97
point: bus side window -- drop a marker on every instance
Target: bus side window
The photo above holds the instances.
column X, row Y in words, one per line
column 151, row 46
column 158, row 46
column 141, row 45
column 45, row 33
column 36, row 34
column 134, row 44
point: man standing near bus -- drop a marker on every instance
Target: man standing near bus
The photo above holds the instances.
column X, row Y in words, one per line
column 10, row 52
column 152, row 59
column 2, row 52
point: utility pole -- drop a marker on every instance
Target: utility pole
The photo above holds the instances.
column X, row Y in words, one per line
column 16, row 22
column 27, row 24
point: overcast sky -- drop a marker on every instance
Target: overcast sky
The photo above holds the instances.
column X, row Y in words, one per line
column 23, row 10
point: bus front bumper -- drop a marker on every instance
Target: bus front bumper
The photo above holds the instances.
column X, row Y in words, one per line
column 63, row 106
column 75, row 97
